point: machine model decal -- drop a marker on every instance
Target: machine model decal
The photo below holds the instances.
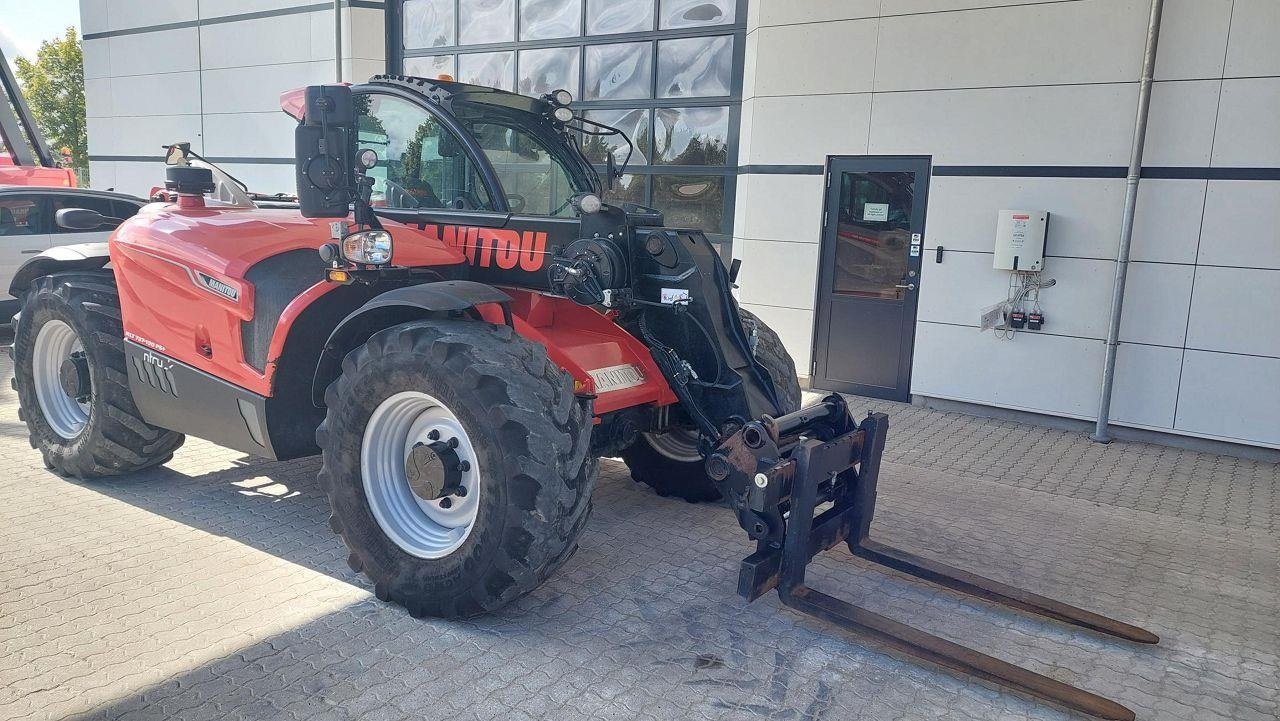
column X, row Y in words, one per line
column 130, row 335
column 218, row 286
column 616, row 378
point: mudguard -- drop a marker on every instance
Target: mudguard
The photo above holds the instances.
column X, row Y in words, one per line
column 83, row 256
column 398, row 306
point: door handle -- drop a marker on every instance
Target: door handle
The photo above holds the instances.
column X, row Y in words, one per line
column 906, row 286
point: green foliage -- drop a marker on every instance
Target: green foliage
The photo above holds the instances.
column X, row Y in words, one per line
column 54, row 88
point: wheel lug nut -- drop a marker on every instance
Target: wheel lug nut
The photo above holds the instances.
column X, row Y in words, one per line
column 434, row 435
column 461, row 492
column 464, row 466
column 446, row 502
column 453, row 442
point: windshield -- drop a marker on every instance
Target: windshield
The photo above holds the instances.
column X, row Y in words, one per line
column 534, row 178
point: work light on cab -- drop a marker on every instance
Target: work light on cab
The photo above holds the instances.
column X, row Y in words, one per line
column 367, row 247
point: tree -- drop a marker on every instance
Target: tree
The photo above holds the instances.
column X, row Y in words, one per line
column 54, row 88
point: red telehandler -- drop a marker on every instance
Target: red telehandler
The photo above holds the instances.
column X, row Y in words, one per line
column 460, row 326
column 25, row 158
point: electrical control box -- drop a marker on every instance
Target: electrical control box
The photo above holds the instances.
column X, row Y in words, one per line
column 1020, row 240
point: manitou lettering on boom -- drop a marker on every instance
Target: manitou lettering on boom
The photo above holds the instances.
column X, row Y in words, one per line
column 489, row 247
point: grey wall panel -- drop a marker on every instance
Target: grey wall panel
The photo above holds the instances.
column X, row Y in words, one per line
column 1242, row 224
column 1146, row 389
column 125, row 14
column 773, row 12
column 836, row 57
column 1156, row 302
column 1253, row 50
column 782, row 207
column 1193, row 39
column 799, row 129
column 149, row 53
column 1230, row 396
column 777, row 273
column 1249, row 124
column 1181, row 126
column 1167, row 226
column 1235, row 310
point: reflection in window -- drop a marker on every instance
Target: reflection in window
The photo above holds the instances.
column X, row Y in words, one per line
column 611, row 16
column 619, row 72
column 535, row 181
column 541, row 19
column 690, row 201
column 542, row 71
column 693, row 13
column 420, row 164
column 431, row 66
column 493, row 69
column 428, row 23
column 635, row 123
column 873, row 232
column 19, row 216
column 486, row 21
column 695, row 67
column 692, row 136
column 628, row 189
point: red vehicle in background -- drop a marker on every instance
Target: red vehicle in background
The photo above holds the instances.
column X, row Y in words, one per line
column 25, row 158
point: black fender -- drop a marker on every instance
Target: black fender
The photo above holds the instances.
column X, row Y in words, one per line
column 83, row 256
column 392, row 308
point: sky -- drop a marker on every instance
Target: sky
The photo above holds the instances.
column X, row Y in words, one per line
column 24, row 24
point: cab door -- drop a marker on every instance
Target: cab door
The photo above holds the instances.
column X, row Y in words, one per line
column 24, row 232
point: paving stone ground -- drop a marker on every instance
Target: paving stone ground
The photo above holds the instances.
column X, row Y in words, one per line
column 213, row 589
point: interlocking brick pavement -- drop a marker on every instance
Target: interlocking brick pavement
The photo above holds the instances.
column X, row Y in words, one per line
column 213, row 589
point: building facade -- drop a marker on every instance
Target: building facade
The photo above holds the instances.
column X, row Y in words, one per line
column 855, row 154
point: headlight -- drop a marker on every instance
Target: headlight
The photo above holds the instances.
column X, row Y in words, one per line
column 370, row 247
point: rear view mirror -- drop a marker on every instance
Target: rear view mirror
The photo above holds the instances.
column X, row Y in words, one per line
column 81, row 219
column 324, row 157
column 176, row 154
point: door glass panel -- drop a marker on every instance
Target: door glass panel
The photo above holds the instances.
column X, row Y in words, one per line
column 619, row 72
column 693, row 13
column 695, row 67
column 692, row 136
column 486, row 21
column 420, row 163
column 542, row 71
column 496, row 70
column 541, row 19
column 873, row 234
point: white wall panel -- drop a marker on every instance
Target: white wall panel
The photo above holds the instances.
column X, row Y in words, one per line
column 783, row 207
column 1157, row 298
column 1234, row 310
column 1040, row 373
column 1064, row 125
column 1010, row 46
column 798, row 129
column 1242, row 224
column 1085, row 220
column 1180, row 130
column 98, row 97
column 225, row 89
column 794, row 327
column 1249, row 124
column 784, row 12
column 262, row 41
column 103, row 174
column 1253, row 50
column 910, row 7
column 1166, row 228
column 1230, row 396
column 93, row 16
column 142, row 135
column 97, row 57
column 778, row 273
column 158, row 52
column 1146, row 386
column 223, row 8
column 837, row 57
column 249, row 135
column 1193, row 39
column 125, row 14
column 166, row 94
column 137, row 178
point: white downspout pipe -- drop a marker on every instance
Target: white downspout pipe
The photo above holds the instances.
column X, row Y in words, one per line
column 1101, row 433
column 337, row 38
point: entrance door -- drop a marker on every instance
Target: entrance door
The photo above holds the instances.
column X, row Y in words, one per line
column 868, row 287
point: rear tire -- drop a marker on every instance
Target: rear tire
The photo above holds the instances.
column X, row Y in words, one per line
column 529, row 475
column 671, row 464
column 79, row 313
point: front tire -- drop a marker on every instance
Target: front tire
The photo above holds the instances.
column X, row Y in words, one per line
column 527, row 481
column 671, row 463
column 72, row 383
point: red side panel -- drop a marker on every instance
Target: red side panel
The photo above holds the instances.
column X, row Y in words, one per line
column 581, row 340
column 172, row 262
column 11, row 174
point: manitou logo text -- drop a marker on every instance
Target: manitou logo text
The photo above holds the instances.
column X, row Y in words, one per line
column 495, row 247
column 218, row 286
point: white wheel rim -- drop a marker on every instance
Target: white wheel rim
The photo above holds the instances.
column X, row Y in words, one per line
column 422, row 528
column 55, row 343
column 678, row 445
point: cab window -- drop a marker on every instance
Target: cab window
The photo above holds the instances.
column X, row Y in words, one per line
column 21, row 215
column 420, row 163
column 534, row 179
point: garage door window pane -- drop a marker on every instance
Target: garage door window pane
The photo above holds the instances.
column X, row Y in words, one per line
column 486, row 21
column 635, row 123
column 428, row 23
column 695, row 13
column 432, row 66
column 690, row 201
column 493, row 69
column 605, row 17
column 695, row 67
column 541, row 19
column 542, row 71
column 692, row 136
column 619, row 72
column 629, row 189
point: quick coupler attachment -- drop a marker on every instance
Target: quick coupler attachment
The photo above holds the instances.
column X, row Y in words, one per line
column 777, row 472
